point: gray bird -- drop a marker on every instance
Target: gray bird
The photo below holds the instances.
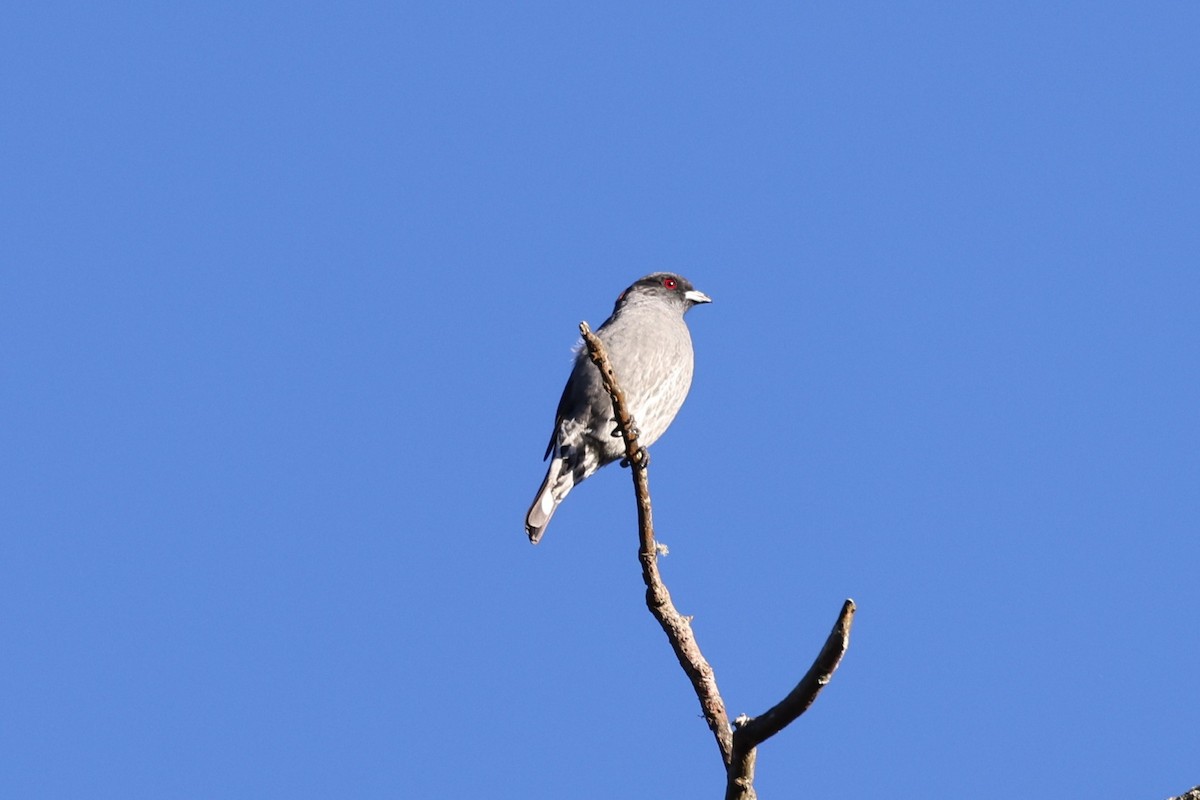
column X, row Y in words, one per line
column 651, row 352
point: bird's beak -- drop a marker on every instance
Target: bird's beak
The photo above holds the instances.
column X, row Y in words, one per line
column 696, row 297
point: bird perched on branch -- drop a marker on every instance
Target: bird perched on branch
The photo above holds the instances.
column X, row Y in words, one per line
column 650, row 349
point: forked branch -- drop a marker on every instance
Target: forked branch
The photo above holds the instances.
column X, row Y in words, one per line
column 738, row 748
column 751, row 732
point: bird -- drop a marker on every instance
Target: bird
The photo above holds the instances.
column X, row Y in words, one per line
column 650, row 349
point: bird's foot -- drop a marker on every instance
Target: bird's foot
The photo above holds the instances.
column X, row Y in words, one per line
column 641, row 458
column 617, row 433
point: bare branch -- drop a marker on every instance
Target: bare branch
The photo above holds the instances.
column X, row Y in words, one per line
column 677, row 627
column 751, row 732
column 738, row 747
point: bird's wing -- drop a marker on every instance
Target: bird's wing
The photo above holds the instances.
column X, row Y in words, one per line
column 565, row 408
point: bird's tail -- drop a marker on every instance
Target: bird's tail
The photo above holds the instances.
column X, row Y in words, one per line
column 558, row 482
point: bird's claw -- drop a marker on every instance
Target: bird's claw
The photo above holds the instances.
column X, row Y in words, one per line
column 617, row 432
column 641, row 458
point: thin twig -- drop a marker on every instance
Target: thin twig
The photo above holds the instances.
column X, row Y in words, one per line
column 738, row 747
column 752, row 732
column 677, row 627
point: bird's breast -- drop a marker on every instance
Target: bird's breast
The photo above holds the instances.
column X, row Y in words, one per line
column 654, row 363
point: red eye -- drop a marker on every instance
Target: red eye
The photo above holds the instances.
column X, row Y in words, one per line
column 670, row 283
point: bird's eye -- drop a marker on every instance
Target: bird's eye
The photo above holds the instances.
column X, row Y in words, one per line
column 670, row 283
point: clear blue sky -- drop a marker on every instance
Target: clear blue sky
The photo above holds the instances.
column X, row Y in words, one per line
column 289, row 294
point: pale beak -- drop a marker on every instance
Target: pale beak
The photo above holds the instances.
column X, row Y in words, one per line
column 696, row 297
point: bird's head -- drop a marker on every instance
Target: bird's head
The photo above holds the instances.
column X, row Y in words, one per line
column 665, row 287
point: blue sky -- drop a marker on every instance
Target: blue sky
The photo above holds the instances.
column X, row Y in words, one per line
column 289, row 296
